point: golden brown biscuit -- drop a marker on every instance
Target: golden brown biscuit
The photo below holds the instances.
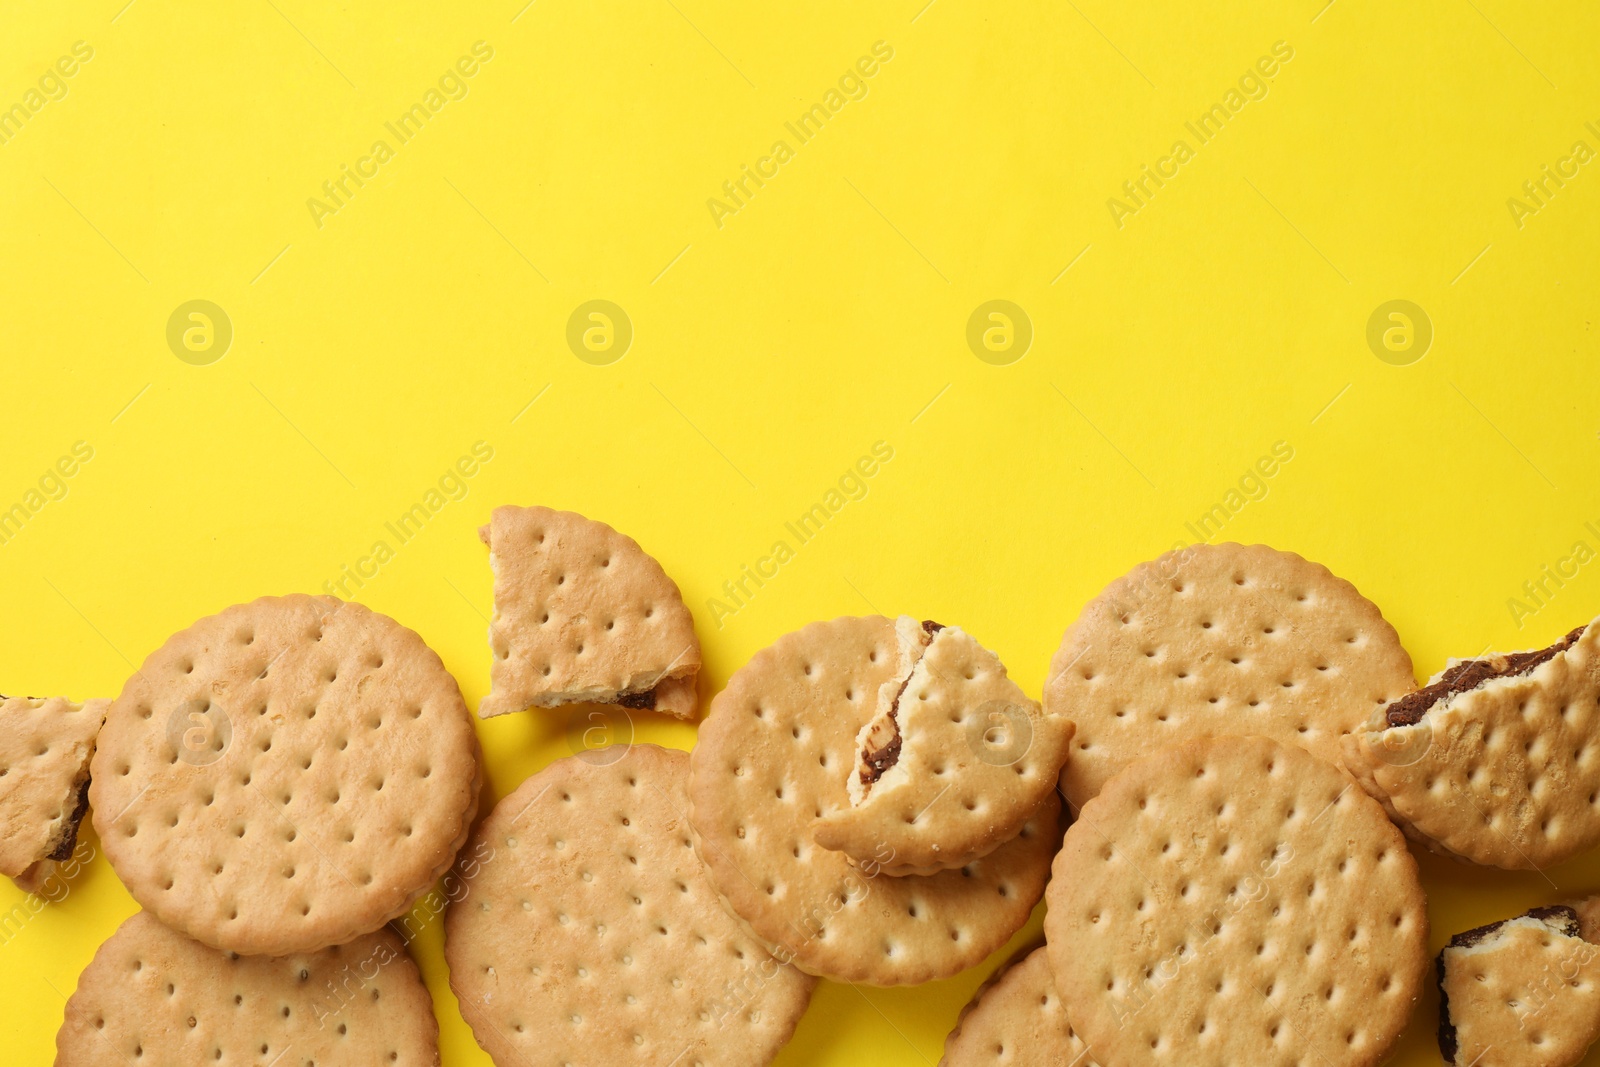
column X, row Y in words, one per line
column 45, row 746
column 1220, row 639
column 286, row 775
column 1495, row 760
column 1016, row 1019
column 153, row 996
column 1233, row 900
column 956, row 759
column 583, row 615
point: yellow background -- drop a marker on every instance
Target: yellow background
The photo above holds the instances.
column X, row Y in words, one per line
column 828, row 313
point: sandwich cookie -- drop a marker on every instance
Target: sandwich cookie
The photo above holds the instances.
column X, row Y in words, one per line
column 45, row 748
column 583, row 615
column 151, row 995
column 1016, row 1018
column 591, row 934
column 772, row 762
column 1220, row 639
column 950, row 726
column 1495, row 760
column 285, row 776
column 1231, row 901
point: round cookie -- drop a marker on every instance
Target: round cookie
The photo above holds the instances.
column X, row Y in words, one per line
column 1016, row 1019
column 950, row 726
column 591, row 935
column 286, row 775
column 153, row 996
column 1233, row 900
column 1495, row 760
column 1210, row 639
column 771, row 761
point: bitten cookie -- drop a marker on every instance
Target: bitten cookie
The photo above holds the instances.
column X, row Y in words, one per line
column 583, row 615
column 1232, row 901
column 591, row 934
column 153, row 996
column 955, row 760
column 1212, row 639
column 45, row 746
column 772, row 760
column 285, row 776
column 1522, row 992
column 1017, row 1019
column 1495, row 760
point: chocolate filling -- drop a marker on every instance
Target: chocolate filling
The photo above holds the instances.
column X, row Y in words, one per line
column 69, row 839
column 1559, row 915
column 1464, row 677
column 880, row 760
column 645, row 701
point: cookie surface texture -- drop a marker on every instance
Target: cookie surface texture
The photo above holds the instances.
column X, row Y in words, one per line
column 772, row 759
column 153, row 996
column 285, row 776
column 45, row 747
column 1505, row 772
column 952, row 728
column 1212, row 639
column 1524, row 992
column 1016, row 1019
column 583, row 614
column 590, row 933
column 1234, row 901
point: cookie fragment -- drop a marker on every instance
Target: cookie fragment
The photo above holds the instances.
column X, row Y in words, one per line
column 1213, row 639
column 1234, row 900
column 583, row 615
column 1522, row 992
column 151, row 995
column 592, row 935
column 285, row 775
column 45, row 748
column 1016, row 1018
column 772, row 759
column 1495, row 760
column 956, row 759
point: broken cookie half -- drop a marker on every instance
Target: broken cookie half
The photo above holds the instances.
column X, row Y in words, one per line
column 953, row 762
column 1522, row 992
column 1497, row 759
column 45, row 747
column 582, row 615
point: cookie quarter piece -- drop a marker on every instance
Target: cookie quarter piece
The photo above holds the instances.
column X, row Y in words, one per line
column 956, row 759
column 1016, row 1019
column 1231, row 901
column 1212, row 639
column 153, row 996
column 591, row 934
column 1495, row 760
column 772, row 760
column 285, row 776
column 45, row 746
column 583, row 615
column 1522, row 992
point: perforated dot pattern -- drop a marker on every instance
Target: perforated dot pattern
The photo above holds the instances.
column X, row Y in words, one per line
column 45, row 747
column 1017, row 1019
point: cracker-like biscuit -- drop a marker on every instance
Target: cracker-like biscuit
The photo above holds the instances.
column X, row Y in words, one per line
column 1522, row 992
column 153, row 996
column 1495, row 760
column 1233, row 900
column 771, row 761
column 45, row 746
column 583, row 615
column 1016, row 1019
column 1214, row 639
column 590, row 933
column 285, row 775
column 950, row 725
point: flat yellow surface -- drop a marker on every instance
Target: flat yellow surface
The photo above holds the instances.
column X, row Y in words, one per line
column 1178, row 329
